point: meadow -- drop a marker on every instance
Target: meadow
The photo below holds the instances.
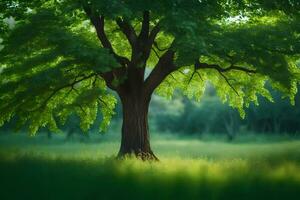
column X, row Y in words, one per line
column 251, row 167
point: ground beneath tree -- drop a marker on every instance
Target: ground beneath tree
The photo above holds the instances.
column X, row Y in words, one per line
column 189, row 169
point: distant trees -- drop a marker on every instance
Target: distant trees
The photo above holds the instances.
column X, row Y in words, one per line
column 278, row 117
column 211, row 116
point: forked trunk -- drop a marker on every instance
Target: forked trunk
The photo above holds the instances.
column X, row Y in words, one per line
column 135, row 133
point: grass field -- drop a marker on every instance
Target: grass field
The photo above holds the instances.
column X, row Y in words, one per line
column 208, row 168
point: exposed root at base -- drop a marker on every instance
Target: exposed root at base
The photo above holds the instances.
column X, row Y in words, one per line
column 144, row 156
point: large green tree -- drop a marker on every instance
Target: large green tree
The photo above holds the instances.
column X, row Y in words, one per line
column 62, row 56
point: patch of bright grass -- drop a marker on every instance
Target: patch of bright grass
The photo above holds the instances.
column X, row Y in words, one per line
column 189, row 169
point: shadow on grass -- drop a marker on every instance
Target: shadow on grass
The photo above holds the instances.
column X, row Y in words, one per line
column 42, row 178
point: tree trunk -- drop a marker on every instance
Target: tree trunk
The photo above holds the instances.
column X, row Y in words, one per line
column 135, row 133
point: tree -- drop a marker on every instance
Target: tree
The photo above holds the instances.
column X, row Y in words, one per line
column 279, row 118
column 62, row 57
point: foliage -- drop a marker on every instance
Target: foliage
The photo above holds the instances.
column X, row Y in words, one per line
column 212, row 117
column 54, row 79
column 277, row 117
column 52, row 65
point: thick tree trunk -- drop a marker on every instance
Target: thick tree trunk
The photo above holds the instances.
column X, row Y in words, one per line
column 135, row 133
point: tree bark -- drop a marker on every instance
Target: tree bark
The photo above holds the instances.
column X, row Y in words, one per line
column 135, row 96
column 135, row 132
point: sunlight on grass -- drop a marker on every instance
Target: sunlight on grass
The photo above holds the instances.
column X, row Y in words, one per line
column 188, row 169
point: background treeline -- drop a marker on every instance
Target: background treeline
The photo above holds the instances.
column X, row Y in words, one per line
column 209, row 116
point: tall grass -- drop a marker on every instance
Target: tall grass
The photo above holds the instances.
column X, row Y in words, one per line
column 189, row 169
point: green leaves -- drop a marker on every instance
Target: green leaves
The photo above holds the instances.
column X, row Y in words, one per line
column 267, row 41
column 50, row 71
column 52, row 61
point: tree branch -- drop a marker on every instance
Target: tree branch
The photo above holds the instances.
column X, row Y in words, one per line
column 227, row 81
column 128, row 30
column 157, row 55
column 99, row 25
column 193, row 74
column 101, row 101
column 55, row 91
column 141, row 46
column 110, row 76
column 154, row 33
column 149, row 42
column 145, row 26
column 199, row 65
column 163, row 68
column 81, row 108
column 160, row 49
column 98, row 22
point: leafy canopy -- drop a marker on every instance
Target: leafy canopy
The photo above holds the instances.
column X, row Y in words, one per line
column 53, row 64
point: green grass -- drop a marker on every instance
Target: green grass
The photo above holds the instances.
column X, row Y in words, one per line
column 36, row 168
